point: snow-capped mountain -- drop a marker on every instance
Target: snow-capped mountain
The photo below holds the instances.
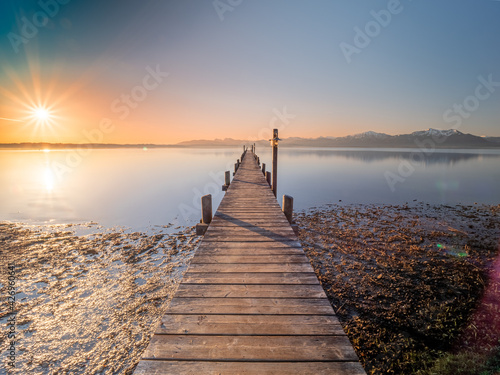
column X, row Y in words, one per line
column 449, row 138
column 370, row 134
column 436, row 133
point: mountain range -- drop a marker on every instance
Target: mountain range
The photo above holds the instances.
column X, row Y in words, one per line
column 431, row 138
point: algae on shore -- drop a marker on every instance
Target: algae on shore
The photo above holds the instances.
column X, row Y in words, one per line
column 411, row 284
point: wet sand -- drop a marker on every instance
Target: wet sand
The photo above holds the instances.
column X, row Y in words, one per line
column 411, row 284
column 87, row 304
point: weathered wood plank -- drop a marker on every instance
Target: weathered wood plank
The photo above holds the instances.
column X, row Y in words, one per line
column 289, row 306
column 249, row 237
column 250, row 278
column 249, row 245
column 249, row 223
column 254, row 251
column 261, row 267
column 150, row 367
column 255, row 348
column 251, row 230
column 210, row 258
column 250, row 267
column 250, row 291
column 250, row 325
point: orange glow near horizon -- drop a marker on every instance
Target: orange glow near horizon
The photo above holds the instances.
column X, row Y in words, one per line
column 50, row 108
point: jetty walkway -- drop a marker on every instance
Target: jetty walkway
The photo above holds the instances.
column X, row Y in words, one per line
column 249, row 302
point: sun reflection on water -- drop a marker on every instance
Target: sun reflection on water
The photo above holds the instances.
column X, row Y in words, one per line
column 48, row 179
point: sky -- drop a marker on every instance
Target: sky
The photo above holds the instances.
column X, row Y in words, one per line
column 159, row 71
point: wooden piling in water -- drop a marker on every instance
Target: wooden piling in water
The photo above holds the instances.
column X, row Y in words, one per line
column 264, row 169
column 268, row 178
column 206, row 214
column 227, row 181
column 206, row 208
column 275, row 161
column 288, row 207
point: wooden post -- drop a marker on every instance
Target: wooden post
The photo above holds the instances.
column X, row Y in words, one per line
column 264, row 168
column 275, row 161
column 227, row 182
column 206, row 209
column 268, row 178
column 258, row 161
column 206, row 214
column 235, row 168
column 288, row 207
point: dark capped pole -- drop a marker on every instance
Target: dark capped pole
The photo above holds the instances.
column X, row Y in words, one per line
column 274, row 144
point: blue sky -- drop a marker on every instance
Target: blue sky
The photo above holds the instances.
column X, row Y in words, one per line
column 231, row 68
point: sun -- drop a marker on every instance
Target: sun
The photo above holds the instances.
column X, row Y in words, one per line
column 42, row 115
column 43, row 120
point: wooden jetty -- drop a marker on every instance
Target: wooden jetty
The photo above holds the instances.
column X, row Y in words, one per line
column 249, row 302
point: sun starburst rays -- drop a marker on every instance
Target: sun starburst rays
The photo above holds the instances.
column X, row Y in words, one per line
column 32, row 104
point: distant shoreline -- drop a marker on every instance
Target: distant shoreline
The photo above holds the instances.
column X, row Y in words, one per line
column 73, row 146
column 426, row 140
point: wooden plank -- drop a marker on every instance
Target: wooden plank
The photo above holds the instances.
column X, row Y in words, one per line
column 289, row 306
column 255, row 251
column 250, row 278
column 247, row 239
column 243, row 216
column 256, row 221
column 252, row 230
column 250, row 348
column 250, row 291
column 249, row 245
column 250, row 325
column 242, row 237
column 150, row 367
column 249, row 223
column 209, row 258
column 250, row 267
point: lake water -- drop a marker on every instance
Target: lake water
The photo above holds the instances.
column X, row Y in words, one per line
column 139, row 188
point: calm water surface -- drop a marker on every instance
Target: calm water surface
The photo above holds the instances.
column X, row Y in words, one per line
column 138, row 188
